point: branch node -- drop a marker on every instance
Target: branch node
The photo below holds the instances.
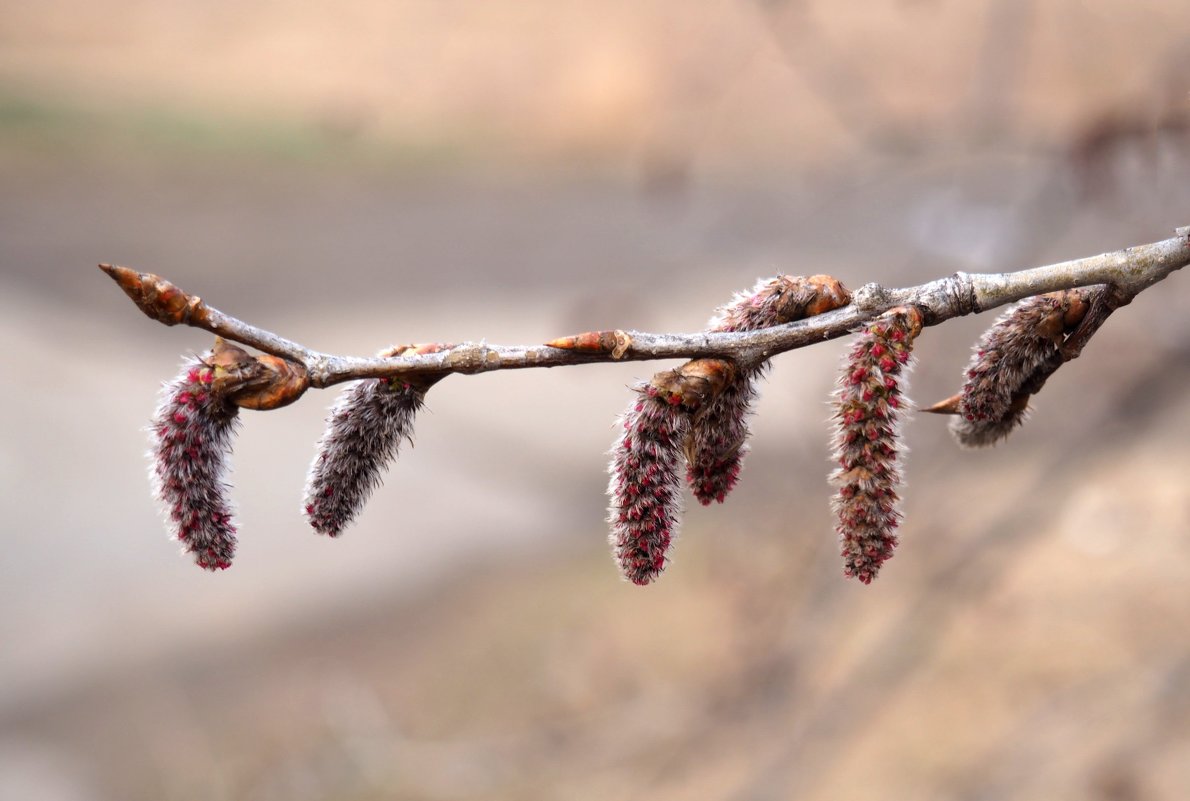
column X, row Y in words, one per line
column 623, row 343
column 871, row 298
column 472, row 358
column 961, row 292
column 320, row 371
column 419, row 381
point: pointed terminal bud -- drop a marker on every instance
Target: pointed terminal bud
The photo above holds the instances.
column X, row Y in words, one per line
column 156, row 297
column 363, row 435
column 869, row 403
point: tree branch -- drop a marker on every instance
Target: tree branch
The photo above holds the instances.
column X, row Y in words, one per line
column 1130, row 271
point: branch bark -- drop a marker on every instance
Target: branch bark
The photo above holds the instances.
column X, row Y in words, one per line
column 1130, row 271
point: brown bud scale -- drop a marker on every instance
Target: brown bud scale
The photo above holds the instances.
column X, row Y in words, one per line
column 157, row 297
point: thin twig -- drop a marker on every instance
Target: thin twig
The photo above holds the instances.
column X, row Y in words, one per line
column 1131, row 270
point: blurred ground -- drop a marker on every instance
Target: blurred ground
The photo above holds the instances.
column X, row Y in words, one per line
column 448, row 171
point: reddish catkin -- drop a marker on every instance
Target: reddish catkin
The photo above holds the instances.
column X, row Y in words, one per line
column 363, row 434
column 645, row 489
column 191, row 441
column 868, row 405
column 1009, row 362
column 717, row 442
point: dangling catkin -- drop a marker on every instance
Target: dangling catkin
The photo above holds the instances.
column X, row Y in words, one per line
column 868, row 404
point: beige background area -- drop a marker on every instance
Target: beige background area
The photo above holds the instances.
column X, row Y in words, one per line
column 723, row 83
column 368, row 173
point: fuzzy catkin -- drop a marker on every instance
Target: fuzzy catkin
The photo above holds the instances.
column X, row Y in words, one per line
column 868, row 406
column 1023, row 342
column 718, row 440
column 191, row 441
column 645, row 488
column 717, row 443
column 771, row 301
column 363, row 434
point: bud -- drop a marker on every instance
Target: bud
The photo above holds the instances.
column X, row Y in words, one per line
column 191, row 442
column 1011, row 361
column 718, row 441
column 158, row 298
column 615, row 342
column 274, row 382
column 718, row 436
column 868, row 406
column 363, row 434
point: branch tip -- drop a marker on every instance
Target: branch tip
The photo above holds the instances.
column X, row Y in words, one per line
column 156, row 297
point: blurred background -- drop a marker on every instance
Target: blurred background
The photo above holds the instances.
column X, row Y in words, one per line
column 363, row 173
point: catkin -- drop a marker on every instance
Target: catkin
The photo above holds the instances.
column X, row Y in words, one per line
column 363, row 434
column 1020, row 348
column 645, row 488
column 717, row 442
column 191, row 441
column 868, row 405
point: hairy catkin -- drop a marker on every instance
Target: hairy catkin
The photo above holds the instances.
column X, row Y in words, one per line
column 1019, row 350
column 363, row 434
column 868, row 405
column 645, row 488
column 191, row 441
column 717, row 442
